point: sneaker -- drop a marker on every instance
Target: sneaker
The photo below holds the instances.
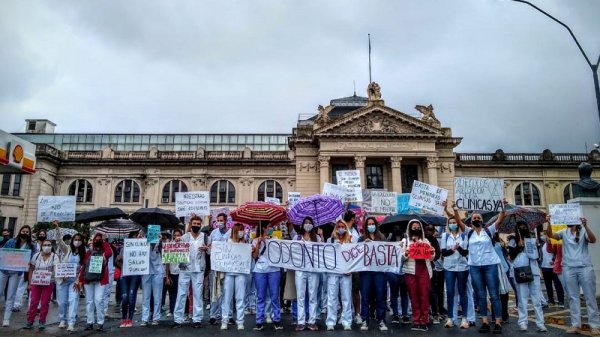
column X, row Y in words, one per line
column 405, row 319
column 464, row 324
column 573, row 330
column 144, row 323
column 545, row 306
column 155, row 323
column 100, row 328
column 382, row 326
column 197, row 325
column 28, row 326
column 424, row 327
column 347, row 328
column 313, row 327
column 523, row 327
column 123, row 323
column 89, row 327
column 330, row 328
column 278, row 326
column 212, row 321
column 176, row 325
column 357, row 319
column 42, row 327
column 169, row 314
column 62, row 325
column 71, row 327
column 240, row 326
column 542, row 328
column 364, row 326
column 436, row 319
column 224, row 326
column 449, row 323
column 300, row 327
column 258, row 327
column 561, row 305
column 419, row 327
column 16, row 309
column 231, row 321
column 395, row 319
column 129, row 323
column 471, row 324
column 497, row 329
column 268, row 320
column 485, row 328
column 6, row 323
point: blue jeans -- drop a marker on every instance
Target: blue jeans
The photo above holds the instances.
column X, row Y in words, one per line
column 129, row 289
column 485, row 281
column 68, row 301
column 370, row 280
column 398, row 288
column 151, row 286
column 267, row 282
column 458, row 278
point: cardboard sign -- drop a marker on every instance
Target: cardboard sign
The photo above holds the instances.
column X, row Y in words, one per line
column 153, row 235
column 403, row 207
column 565, row 214
column 293, row 198
column 382, row 202
column 61, row 208
column 531, row 248
column 428, row 197
column 66, row 270
column 95, row 266
column 350, row 179
column 187, row 203
column 274, row 201
column 176, row 252
column 335, row 191
column 14, row 259
column 41, row 277
column 479, row 194
column 231, row 257
column 136, row 257
column 420, row 251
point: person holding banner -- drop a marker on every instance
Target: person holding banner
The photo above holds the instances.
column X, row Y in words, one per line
column 221, row 233
column 66, row 293
column 307, row 282
column 339, row 284
column 373, row 280
column 93, row 275
column 41, row 284
column 234, row 283
column 172, row 278
column 456, row 272
column 129, row 289
column 350, row 219
column 578, row 273
column 152, row 284
column 11, row 277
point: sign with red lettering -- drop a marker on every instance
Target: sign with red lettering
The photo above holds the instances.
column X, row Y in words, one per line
column 420, row 251
column 14, row 259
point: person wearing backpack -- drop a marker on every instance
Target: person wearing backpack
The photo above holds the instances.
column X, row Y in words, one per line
column 456, row 272
column 41, row 284
column 93, row 275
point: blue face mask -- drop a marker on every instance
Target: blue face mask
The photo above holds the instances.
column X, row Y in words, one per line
column 453, row 227
column 270, row 231
column 371, row 228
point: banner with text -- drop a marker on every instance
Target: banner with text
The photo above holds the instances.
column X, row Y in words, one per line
column 334, row 257
column 61, row 208
column 403, row 207
column 350, row 179
column 187, row 203
column 293, row 198
column 565, row 214
column 66, row 270
column 335, row 191
column 14, row 259
column 153, row 235
column 428, row 197
column 41, row 277
column 231, row 257
column 479, row 194
column 176, row 252
column 136, row 257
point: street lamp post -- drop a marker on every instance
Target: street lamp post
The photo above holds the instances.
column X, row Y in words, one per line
column 592, row 66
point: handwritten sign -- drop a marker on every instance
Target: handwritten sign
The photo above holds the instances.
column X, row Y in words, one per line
column 274, row 201
column 66, row 270
column 484, row 194
column 41, row 277
column 61, row 208
column 231, row 257
column 531, row 248
column 153, row 233
column 382, row 202
column 14, row 259
column 187, row 203
column 293, row 198
column 136, row 257
column 428, row 197
column 403, row 207
column 419, row 251
column 176, row 252
column 350, row 179
column 565, row 214
column 95, row 266
column 335, row 191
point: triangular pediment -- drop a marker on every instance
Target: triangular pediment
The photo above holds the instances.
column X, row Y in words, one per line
column 378, row 120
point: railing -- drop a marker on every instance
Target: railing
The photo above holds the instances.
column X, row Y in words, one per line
column 84, row 155
column 134, row 155
column 270, row 155
column 229, row 155
column 175, row 155
column 526, row 157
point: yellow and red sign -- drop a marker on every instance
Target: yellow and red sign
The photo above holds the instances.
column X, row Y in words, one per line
column 16, row 155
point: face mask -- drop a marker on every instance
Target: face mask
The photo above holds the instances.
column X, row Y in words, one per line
column 24, row 236
column 308, row 227
column 270, row 231
column 453, row 227
column 477, row 223
column 76, row 243
column 67, row 242
column 195, row 229
column 415, row 232
column 6, row 237
column 97, row 244
column 371, row 228
column 46, row 250
column 341, row 231
column 41, row 238
column 221, row 225
column 241, row 235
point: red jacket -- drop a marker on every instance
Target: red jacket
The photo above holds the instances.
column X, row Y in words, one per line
column 555, row 249
column 107, row 254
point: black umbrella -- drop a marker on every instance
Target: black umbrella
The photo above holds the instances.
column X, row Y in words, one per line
column 155, row 216
column 401, row 220
column 118, row 228
column 100, row 214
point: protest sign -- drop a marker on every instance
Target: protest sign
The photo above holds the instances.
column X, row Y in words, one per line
column 565, row 214
column 531, row 248
column 41, row 277
column 428, row 197
column 136, row 257
column 293, row 198
column 334, row 257
column 66, row 270
column 483, row 194
column 176, row 252
column 61, row 208
column 187, row 203
column 14, row 259
column 335, row 191
column 153, row 235
column 419, row 251
column 350, row 179
column 403, row 207
column 274, row 201
column 382, row 202
column 95, row 266
column 231, row 257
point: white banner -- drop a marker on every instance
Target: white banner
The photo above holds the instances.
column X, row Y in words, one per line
column 483, row 194
column 61, row 208
column 427, row 197
column 293, row 198
column 231, row 257
column 350, row 179
column 136, row 257
column 565, row 214
column 41, row 277
column 334, row 257
column 382, row 202
column 335, row 191
column 187, row 203
column 66, row 270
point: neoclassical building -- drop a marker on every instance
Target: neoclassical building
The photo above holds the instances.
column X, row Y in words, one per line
column 389, row 147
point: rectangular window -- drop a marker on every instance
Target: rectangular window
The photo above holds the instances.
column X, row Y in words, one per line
column 5, row 184
column 409, row 173
column 12, row 223
column 17, row 185
column 374, row 175
column 2, row 219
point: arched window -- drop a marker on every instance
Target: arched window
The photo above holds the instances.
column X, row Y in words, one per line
column 222, row 192
column 172, row 187
column 82, row 190
column 271, row 189
column 127, row 191
column 527, row 194
column 568, row 192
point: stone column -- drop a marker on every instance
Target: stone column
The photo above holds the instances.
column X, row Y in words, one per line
column 396, row 164
column 432, row 170
column 323, row 171
column 359, row 163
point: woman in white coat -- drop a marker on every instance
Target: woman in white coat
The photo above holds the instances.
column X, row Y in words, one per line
column 307, row 282
column 234, row 283
column 339, row 284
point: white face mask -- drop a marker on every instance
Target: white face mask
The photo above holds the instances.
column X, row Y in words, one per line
column 241, row 235
column 220, row 224
column 308, row 227
column 76, row 243
column 46, row 250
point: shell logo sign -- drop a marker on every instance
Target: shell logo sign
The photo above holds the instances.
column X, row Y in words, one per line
column 16, row 155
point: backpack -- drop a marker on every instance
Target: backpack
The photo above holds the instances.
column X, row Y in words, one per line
column 94, row 277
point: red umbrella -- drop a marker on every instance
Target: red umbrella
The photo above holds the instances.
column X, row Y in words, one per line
column 253, row 213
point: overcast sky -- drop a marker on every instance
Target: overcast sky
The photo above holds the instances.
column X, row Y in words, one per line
column 499, row 73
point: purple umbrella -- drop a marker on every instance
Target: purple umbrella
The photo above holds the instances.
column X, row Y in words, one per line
column 322, row 209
